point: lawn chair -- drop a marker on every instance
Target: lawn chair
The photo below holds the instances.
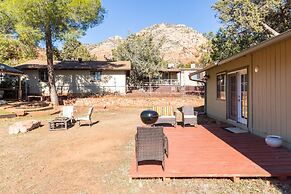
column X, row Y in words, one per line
column 189, row 115
column 151, row 145
column 86, row 117
column 167, row 115
column 68, row 112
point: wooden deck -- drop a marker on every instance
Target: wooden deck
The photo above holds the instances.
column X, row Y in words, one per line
column 210, row 151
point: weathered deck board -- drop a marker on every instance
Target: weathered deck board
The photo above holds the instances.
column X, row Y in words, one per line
column 209, row 151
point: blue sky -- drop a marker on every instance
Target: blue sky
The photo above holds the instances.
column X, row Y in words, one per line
column 129, row 16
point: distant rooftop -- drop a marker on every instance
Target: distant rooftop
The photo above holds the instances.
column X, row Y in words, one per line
column 9, row 70
column 76, row 65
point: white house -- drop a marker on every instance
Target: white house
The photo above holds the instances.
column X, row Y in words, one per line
column 180, row 76
column 184, row 79
column 77, row 77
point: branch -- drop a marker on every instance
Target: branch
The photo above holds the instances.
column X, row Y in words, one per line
column 271, row 30
column 267, row 27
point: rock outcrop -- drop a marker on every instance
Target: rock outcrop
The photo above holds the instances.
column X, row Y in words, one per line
column 103, row 50
column 180, row 43
column 23, row 126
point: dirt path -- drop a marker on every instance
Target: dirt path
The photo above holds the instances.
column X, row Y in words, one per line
column 73, row 161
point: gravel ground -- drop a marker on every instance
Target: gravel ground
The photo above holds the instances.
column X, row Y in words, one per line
column 95, row 160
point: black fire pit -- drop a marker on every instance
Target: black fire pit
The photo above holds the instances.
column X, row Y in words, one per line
column 149, row 117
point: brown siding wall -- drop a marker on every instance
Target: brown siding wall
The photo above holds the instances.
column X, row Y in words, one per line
column 269, row 90
column 272, row 90
column 217, row 108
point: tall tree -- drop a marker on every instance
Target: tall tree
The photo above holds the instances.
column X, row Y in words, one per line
column 82, row 53
column 21, row 40
column 9, row 49
column 248, row 22
column 51, row 19
column 70, row 45
column 144, row 55
column 73, row 50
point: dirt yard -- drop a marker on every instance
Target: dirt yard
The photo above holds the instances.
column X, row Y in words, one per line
column 95, row 160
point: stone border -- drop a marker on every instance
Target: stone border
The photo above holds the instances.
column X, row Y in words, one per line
column 37, row 109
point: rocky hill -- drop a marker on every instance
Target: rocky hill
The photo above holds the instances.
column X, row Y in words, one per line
column 180, row 43
column 103, row 50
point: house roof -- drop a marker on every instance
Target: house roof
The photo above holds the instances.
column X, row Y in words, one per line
column 190, row 69
column 179, row 69
column 209, row 66
column 9, row 70
column 76, row 65
column 170, row 70
column 261, row 45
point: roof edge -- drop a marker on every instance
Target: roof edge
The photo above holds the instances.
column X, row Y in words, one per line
column 9, row 70
column 76, row 65
column 202, row 70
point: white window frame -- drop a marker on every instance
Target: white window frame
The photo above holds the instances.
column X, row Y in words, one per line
column 218, row 93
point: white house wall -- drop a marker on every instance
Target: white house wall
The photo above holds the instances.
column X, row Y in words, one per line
column 183, row 77
column 114, row 81
column 78, row 82
column 34, row 86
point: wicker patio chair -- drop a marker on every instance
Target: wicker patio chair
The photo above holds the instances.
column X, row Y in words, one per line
column 189, row 115
column 151, row 145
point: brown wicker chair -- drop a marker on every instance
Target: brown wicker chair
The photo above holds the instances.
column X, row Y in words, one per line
column 151, row 145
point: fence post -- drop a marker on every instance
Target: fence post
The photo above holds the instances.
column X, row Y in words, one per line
column 150, row 84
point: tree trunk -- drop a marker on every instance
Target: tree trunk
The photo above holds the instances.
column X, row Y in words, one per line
column 50, row 66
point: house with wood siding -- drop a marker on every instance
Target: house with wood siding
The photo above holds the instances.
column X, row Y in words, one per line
column 252, row 89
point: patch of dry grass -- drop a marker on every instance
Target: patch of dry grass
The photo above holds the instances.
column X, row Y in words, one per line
column 4, row 112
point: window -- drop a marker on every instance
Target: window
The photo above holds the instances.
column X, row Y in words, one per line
column 43, row 75
column 221, row 82
column 198, row 76
column 96, row 75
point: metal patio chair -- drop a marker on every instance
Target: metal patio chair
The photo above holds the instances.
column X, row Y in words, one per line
column 86, row 117
column 67, row 112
